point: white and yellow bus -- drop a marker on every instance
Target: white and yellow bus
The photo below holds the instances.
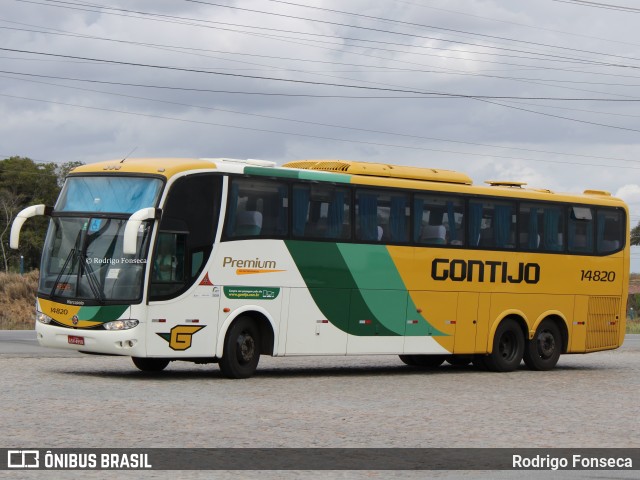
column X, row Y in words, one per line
column 221, row 260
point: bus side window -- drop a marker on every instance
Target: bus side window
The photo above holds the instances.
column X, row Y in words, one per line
column 581, row 222
column 611, row 228
column 541, row 227
column 257, row 208
column 321, row 212
column 438, row 220
column 529, row 226
column 168, row 265
column 492, row 224
column 382, row 216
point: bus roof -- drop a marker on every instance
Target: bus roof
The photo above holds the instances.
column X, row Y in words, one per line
column 167, row 167
column 344, row 171
column 382, row 170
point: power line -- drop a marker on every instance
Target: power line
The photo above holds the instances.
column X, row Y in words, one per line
column 437, row 28
column 434, row 94
column 606, row 6
column 534, row 27
column 63, row 4
column 279, row 37
column 343, row 127
column 174, row 48
column 280, row 132
column 378, row 30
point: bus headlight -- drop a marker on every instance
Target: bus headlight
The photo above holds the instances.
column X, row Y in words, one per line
column 120, row 324
column 43, row 318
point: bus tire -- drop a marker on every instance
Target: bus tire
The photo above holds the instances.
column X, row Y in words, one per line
column 241, row 349
column 408, row 360
column 508, row 347
column 150, row 364
column 543, row 350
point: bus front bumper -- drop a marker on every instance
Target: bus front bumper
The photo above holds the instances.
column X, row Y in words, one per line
column 120, row 342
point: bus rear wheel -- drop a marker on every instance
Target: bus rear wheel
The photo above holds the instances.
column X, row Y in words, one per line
column 543, row 350
column 241, row 349
column 508, row 347
column 150, row 364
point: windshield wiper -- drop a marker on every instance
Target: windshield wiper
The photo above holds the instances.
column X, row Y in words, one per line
column 94, row 285
column 69, row 258
column 83, row 267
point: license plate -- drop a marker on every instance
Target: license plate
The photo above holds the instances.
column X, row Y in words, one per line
column 73, row 340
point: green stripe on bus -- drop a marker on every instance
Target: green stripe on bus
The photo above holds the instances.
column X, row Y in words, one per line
column 358, row 288
column 383, row 289
column 103, row 314
column 298, row 174
column 332, row 287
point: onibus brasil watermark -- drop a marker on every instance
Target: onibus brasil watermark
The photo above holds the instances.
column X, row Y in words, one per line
column 20, row 459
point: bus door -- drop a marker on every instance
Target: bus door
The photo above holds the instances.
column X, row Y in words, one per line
column 180, row 323
column 182, row 318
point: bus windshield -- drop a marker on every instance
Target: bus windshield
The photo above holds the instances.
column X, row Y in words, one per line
column 83, row 259
column 83, row 256
column 108, row 194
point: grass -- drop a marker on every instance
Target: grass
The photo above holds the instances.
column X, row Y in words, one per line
column 17, row 300
column 18, row 296
column 633, row 326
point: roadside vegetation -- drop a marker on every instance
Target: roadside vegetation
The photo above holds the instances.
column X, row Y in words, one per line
column 17, row 300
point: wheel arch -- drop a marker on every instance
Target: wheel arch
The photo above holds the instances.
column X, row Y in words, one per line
column 560, row 321
column 265, row 323
column 516, row 315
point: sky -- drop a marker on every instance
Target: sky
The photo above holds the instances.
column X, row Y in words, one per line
column 545, row 92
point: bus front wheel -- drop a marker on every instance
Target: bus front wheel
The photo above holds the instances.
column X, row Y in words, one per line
column 543, row 350
column 150, row 364
column 241, row 349
column 508, row 347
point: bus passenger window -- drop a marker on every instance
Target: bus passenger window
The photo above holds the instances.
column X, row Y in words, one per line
column 257, row 207
column 581, row 230
column 611, row 230
column 382, row 216
column 321, row 212
column 438, row 220
column 492, row 224
column 541, row 227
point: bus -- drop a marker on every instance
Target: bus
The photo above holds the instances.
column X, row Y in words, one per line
column 218, row 260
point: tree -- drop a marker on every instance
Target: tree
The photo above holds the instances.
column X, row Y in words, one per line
column 9, row 204
column 24, row 182
column 63, row 170
column 635, row 235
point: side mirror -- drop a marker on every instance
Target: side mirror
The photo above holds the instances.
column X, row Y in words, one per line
column 130, row 239
column 33, row 211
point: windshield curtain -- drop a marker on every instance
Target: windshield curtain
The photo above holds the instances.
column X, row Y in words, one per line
column 83, row 259
column 108, row 194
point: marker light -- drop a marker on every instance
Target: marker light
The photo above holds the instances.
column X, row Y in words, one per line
column 120, row 324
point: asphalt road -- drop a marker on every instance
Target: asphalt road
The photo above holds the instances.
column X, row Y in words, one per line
column 54, row 399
